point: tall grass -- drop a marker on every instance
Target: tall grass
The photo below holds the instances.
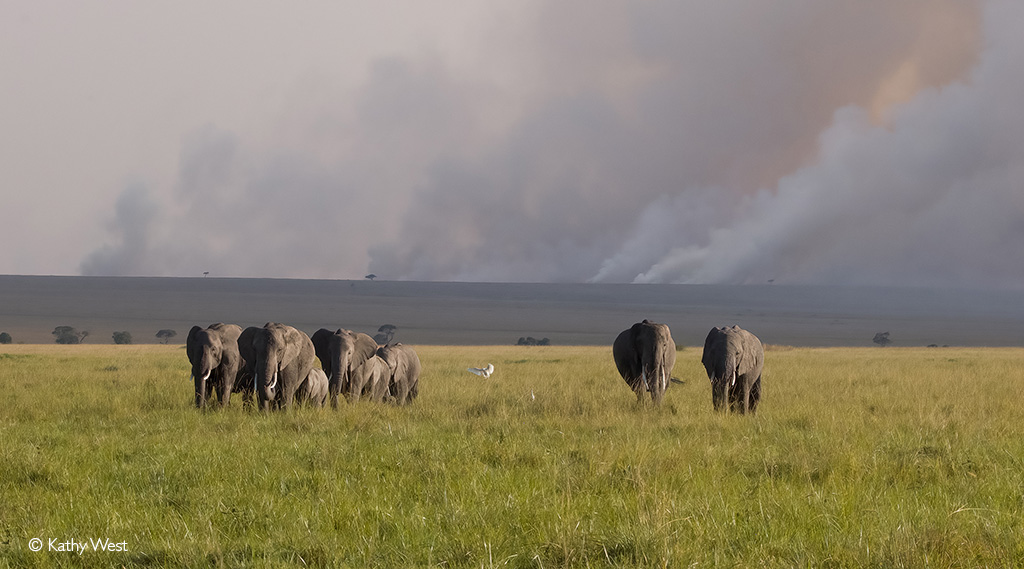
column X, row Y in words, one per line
column 858, row 458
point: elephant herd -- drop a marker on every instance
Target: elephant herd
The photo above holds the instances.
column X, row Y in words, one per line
column 277, row 364
column 733, row 358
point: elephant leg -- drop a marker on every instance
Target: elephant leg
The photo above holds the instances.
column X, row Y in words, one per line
column 225, row 391
column 637, row 385
column 755, row 394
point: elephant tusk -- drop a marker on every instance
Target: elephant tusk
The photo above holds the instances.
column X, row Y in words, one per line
column 273, row 382
column 207, row 376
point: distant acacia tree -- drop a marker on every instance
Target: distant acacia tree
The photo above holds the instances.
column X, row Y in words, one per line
column 386, row 333
column 123, row 337
column 5, row 338
column 882, row 339
column 68, row 335
column 531, row 341
column 370, row 277
column 166, row 335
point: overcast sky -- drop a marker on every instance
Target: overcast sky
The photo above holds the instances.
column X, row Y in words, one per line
column 851, row 142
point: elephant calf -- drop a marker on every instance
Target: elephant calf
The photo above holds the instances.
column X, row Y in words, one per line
column 370, row 380
column 734, row 359
column 314, row 389
column 403, row 372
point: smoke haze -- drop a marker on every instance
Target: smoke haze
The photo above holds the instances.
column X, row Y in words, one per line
column 734, row 142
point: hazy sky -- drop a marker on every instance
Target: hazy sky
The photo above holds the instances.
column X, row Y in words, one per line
column 855, row 142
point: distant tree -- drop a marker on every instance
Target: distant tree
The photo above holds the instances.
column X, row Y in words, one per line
column 166, row 335
column 5, row 338
column 882, row 339
column 68, row 335
column 387, row 333
column 123, row 337
column 531, row 341
column 370, row 277
column 544, row 342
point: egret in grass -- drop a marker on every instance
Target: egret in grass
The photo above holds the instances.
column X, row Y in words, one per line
column 483, row 371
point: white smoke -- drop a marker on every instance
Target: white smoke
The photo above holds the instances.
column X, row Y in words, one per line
column 935, row 194
column 872, row 143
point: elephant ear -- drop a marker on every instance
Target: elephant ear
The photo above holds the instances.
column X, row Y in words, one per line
column 298, row 348
column 365, row 347
column 246, row 349
column 321, row 346
column 191, row 340
column 708, row 358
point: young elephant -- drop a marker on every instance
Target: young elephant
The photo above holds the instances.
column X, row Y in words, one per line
column 314, row 389
column 645, row 355
column 734, row 359
column 370, row 380
column 213, row 353
column 403, row 372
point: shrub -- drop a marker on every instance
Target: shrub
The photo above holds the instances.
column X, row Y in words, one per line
column 5, row 338
column 68, row 335
column 123, row 337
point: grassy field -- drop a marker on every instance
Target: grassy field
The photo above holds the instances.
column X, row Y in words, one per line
column 859, row 458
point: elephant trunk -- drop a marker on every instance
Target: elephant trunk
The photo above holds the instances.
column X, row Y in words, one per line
column 266, row 380
column 339, row 369
column 200, row 378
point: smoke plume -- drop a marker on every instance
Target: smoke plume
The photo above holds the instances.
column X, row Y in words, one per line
column 740, row 142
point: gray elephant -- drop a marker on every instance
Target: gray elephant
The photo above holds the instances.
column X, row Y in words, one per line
column 734, row 359
column 213, row 353
column 314, row 389
column 281, row 357
column 403, row 372
column 341, row 352
column 370, row 380
column 645, row 355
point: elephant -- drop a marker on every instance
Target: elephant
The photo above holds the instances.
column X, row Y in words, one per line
column 734, row 359
column 281, row 357
column 314, row 389
column 370, row 380
column 213, row 353
column 645, row 355
column 341, row 353
column 403, row 372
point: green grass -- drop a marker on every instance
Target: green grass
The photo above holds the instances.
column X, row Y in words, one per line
column 859, row 458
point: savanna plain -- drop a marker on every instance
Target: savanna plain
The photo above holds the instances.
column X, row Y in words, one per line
column 858, row 457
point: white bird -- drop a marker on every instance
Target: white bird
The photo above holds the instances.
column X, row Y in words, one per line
column 484, row 371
